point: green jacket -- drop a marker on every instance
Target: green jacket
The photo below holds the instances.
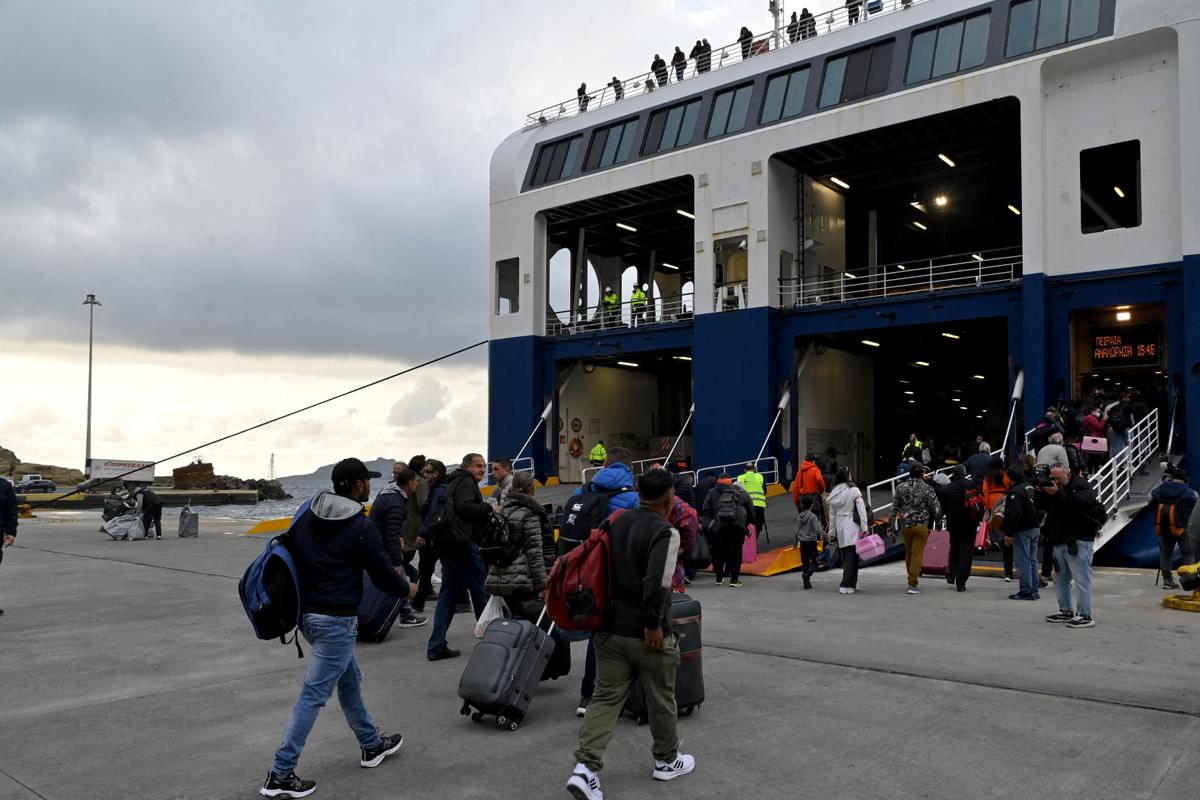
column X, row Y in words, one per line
column 754, row 485
column 598, row 453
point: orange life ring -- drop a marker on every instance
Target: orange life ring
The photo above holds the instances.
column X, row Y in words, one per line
column 575, row 448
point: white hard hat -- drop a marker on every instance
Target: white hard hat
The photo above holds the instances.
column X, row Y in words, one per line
column 608, row 288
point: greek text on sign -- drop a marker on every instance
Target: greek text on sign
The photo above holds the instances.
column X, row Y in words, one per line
column 1136, row 346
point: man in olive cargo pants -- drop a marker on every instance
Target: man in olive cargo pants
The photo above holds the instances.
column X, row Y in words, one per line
column 636, row 641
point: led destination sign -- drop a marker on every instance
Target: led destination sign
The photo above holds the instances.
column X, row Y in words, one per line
column 1135, row 346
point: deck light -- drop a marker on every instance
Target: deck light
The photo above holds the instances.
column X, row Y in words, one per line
column 683, row 213
column 945, row 158
column 940, row 201
column 840, row 182
column 1117, row 189
column 951, row 335
column 1014, row 209
column 629, row 228
column 979, row 416
column 918, row 205
column 670, row 266
column 626, row 364
column 912, row 401
column 1124, row 316
column 976, row 377
column 851, row 275
column 682, row 358
column 908, row 391
column 963, row 408
column 901, row 267
column 869, row 343
column 906, row 383
column 977, row 256
column 919, row 225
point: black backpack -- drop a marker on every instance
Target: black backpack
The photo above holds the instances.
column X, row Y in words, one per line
column 729, row 510
column 583, row 514
column 497, row 545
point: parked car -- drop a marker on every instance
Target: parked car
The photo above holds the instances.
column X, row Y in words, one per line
column 35, row 483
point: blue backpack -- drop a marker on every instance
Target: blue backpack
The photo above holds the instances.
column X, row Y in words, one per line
column 270, row 590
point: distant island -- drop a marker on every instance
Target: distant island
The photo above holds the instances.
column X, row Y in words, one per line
column 325, row 474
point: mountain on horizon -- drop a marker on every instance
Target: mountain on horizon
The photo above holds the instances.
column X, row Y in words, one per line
column 325, row 474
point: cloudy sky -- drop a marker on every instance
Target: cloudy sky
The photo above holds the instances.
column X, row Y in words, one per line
column 274, row 201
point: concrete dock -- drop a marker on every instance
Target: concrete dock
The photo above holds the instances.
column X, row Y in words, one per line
column 128, row 670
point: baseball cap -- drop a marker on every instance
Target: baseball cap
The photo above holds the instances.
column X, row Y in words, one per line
column 349, row 470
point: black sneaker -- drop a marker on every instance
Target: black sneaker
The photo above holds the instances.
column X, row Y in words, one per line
column 1061, row 616
column 581, row 709
column 287, row 787
column 1168, row 584
column 1042, row 584
column 389, row 744
column 1081, row 622
column 447, row 653
column 412, row 621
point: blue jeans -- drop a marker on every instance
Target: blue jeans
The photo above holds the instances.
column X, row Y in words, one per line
column 1078, row 568
column 331, row 663
column 456, row 572
column 1025, row 548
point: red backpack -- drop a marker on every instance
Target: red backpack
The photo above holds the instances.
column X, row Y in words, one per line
column 580, row 583
column 974, row 505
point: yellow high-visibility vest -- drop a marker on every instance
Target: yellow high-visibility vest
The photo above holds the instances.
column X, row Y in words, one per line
column 752, row 482
column 637, row 299
column 612, row 300
column 598, row 453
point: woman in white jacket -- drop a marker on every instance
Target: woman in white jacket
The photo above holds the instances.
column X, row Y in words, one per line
column 849, row 521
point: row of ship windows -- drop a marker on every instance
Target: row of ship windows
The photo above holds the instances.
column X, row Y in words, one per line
column 936, row 52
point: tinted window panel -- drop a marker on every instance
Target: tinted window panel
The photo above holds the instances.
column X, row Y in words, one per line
column 610, row 147
column 1052, row 23
column 741, row 105
column 599, row 138
column 627, row 140
column 796, row 91
column 654, row 134
column 920, row 57
column 854, row 85
column 1022, row 22
column 572, row 155
column 690, row 114
column 881, row 66
column 831, row 87
column 975, row 38
column 773, row 104
column 556, row 163
column 1085, row 19
column 671, row 129
column 543, row 165
column 949, row 42
column 720, row 114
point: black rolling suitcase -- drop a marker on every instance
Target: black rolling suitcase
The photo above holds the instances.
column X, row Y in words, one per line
column 689, row 678
column 377, row 612
column 504, row 671
column 559, row 664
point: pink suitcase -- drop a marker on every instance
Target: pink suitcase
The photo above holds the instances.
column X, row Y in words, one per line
column 869, row 547
column 1094, row 444
column 750, row 546
column 937, row 553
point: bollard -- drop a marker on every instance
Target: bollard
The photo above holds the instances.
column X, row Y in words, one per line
column 1189, row 578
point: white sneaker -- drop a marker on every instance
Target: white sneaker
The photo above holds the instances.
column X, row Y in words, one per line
column 682, row 765
column 584, row 784
column 913, row 590
column 845, row 590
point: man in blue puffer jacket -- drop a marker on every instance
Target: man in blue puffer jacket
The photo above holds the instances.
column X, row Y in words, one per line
column 616, row 474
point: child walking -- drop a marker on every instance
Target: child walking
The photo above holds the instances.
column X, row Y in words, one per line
column 809, row 531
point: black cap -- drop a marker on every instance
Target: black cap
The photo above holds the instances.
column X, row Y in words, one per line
column 349, row 470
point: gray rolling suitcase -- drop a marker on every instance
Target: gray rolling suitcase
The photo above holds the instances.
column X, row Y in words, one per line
column 189, row 523
column 504, row 670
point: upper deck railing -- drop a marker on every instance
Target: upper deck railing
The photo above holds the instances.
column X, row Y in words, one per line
column 600, row 317
column 821, row 24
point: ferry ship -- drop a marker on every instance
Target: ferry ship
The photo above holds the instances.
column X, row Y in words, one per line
column 936, row 216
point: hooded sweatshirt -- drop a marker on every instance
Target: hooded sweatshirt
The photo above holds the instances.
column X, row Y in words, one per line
column 808, row 527
column 809, row 480
column 1174, row 492
column 333, row 543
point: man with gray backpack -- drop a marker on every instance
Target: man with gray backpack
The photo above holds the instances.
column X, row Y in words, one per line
column 727, row 509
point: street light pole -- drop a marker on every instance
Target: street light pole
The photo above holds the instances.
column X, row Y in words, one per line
column 91, row 302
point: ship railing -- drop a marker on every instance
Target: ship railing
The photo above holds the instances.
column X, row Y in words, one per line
column 888, row 487
column 914, row 276
column 767, row 467
column 823, row 23
column 623, row 316
column 1113, row 481
column 638, row 467
column 519, row 465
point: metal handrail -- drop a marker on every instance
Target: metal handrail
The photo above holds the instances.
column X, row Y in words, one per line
column 920, row 276
column 655, row 311
column 519, row 465
column 1029, row 440
column 637, row 467
column 731, row 296
column 770, row 474
column 730, row 54
column 891, row 484
column 1113, row 481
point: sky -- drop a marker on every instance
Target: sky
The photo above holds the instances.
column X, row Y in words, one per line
column 274, row 202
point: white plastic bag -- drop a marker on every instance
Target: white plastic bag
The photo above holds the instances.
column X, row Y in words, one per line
column 495, row 609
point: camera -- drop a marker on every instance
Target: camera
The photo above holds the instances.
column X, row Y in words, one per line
column 1042, row 476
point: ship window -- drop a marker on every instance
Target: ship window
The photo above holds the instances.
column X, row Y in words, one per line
column 1110, row 191
column 729, row 111
column 948, row 48
column 785, row 95
column 1037, row 24
column 611, row 144
column 858, row 74
column 556, row 160
column 508, row 286
column 672, row 127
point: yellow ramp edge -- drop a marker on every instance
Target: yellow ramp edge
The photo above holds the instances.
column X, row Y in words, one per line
column 552, row 480
column 776, row 489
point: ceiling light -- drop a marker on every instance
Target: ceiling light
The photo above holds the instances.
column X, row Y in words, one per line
column 670, row 266
column 921, row 363
column 626, row 364
column 629, row 228
column 1124, row 316
column 1124, row 308
column 683, row 213
column 919, row 225
column 840, row 182
column 951, row 335
column 851, row 275
column 1117, row 189
column 869, row 343
column 918, row 205
column 912, row 401
column 682, row 358
column 908, row 391
column 976, row 377
column 940, row 201
column 979, row 416
column 904, row 382
column 901, row 267
column 1014, row 209
column 963, row 408
column 977, row 256
column 946, row 159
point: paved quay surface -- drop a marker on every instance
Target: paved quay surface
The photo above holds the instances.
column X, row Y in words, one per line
column 128, row 670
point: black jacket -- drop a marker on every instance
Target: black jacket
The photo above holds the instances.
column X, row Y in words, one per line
column 1020, row 509
column 333, row 543
column 977, row 466
column 8, row 509
column 953, row 499
column 389, row 512
column 1071, row 513
column 462, row 492
column 644, row 550
column 684, row 489
column 705, row 486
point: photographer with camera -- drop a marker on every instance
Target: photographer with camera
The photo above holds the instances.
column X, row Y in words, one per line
column 1073, row 519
